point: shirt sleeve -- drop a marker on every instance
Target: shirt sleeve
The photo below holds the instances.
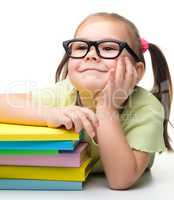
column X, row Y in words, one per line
column 144, row 129
column 59, row 94
column 46, row 96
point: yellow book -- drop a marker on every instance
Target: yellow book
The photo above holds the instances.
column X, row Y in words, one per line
column 16, row 132
column 47, row 173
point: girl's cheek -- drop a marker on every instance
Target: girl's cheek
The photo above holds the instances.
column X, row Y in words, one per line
column 73, row 64
column 111, row 64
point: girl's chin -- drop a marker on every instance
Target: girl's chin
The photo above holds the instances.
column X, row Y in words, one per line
column 93, row 86
column 89, row 82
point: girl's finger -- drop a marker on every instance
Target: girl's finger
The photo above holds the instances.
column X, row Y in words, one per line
column 111, row 78
column 80, row 120
column 129, row 72
column 135, row 81
column 112, row 75
column 91, row 116
column 87, row 125
column 67, row 122
column 75, row 119
column 120, row 70
column 59, row 121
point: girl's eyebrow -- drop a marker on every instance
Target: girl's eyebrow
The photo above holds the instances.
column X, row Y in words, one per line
column 81, row 38
column 105, row 38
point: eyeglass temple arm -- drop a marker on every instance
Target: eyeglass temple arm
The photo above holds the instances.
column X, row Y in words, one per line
column 132, row 53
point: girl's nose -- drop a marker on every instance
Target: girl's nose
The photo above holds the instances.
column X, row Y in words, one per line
column 92, row 54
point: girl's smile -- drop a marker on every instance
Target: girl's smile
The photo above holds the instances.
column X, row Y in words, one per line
column 92, row 67
column 90, row 73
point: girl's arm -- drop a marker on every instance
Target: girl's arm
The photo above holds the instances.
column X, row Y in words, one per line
column 123, row 166
column 18, row 109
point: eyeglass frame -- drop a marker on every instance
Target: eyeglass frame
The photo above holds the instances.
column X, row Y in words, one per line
column 122, row 46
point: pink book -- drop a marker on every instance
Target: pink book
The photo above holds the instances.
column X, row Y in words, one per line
column 64, row 159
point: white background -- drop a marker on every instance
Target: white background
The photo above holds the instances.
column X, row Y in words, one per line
column 32, row 31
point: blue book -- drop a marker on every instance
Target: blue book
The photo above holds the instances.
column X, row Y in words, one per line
column 38, row 145
column 26, row 184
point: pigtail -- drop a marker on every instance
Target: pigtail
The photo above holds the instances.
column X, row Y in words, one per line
column 162, row 87
column 61, row 74
column 62, row 67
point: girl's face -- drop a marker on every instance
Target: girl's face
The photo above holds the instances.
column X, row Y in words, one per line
column 79, row 70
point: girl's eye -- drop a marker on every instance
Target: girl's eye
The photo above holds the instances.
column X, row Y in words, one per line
column 79, row 46
column 82, row 47
column 109, row 48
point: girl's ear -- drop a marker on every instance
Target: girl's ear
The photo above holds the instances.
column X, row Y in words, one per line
column 140, row 68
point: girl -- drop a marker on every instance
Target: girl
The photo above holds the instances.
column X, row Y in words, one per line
column 96, row 92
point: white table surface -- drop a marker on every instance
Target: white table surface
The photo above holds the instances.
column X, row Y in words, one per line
column 155, row 184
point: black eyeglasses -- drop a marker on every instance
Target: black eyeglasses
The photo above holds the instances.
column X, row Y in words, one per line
column 107, row 49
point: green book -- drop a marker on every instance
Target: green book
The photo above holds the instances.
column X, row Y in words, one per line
column 29, row 152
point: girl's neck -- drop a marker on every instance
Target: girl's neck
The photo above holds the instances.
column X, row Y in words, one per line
column 87, row 100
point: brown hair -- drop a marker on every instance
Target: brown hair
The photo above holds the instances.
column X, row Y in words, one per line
column 162, row 87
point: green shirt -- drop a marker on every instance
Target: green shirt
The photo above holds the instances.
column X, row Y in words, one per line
column 142, row 118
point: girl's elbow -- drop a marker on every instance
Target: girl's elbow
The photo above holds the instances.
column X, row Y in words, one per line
column 121, row 185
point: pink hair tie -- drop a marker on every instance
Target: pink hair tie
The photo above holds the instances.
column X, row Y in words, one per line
column 144, row 45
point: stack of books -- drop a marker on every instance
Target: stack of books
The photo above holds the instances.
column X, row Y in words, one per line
column 42, row 158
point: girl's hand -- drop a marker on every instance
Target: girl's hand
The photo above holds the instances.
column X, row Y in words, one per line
column 72, row 117
column 120, row 84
